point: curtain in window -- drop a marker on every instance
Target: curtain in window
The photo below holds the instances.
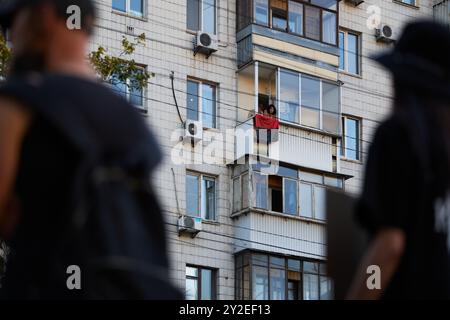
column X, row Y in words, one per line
column 290, row 196
column 329, row 27
column 260, row 188
column 310, row 286
column 296, row 17
column 260, row 283
column 277, row 284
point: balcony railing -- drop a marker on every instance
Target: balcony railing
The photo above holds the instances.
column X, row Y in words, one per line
column 312, row 19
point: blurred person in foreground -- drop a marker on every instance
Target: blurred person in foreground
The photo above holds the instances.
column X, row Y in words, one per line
column 75, row 165
column 405, row 204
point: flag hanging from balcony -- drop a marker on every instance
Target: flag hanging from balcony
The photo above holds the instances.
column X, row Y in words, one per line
column 266, row 122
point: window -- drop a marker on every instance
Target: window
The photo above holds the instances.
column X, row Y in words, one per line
column 200, row 196
column 312, row 195
column 201, row 15
column 201, row 102
column 292, row 190
column 410, row 2
column 132, row 7
column 302, row 98
column 260, row 190
column 312, row 22
column 281, row 278
column 349, row 52
column 289, row 91
column 200, row 283
column 277, row 193
column 129, row 90
column 351, row 138
column 278, row 12
column 310, row 102
column 261, row 12
column 313, row 19
column 295, row 17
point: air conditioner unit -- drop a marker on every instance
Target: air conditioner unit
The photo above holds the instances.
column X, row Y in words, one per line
column 205, row 43
column 355, row 2
column 384, row 34
column 189, row 225
column 193, row 131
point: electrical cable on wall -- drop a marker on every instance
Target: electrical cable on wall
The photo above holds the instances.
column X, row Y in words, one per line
column 172, row 77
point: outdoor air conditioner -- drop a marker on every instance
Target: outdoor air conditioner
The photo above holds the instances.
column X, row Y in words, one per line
column 384, row 34
column 355, row 2
column 189, row 225
column 205, row 43
column 193, row 131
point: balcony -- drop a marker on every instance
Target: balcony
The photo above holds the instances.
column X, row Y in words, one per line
column 286, row 208
column 308, row 109
column 302, row 30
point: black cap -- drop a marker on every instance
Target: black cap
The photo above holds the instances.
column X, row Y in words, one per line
column 8, row 8
column 421, row 57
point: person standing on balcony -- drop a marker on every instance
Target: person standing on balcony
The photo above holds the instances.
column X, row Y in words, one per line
column 75, row 166
column 405, row 203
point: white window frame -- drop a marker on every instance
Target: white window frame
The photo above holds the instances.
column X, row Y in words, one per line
column 343, row 151
column 300, row 74
column 200, row 17
column 358, row 36
column 142, row 108
column 133, row 13
column 200, row 100
column 202, row 211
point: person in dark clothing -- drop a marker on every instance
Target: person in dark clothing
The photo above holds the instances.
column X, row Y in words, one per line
column 54, row 119
column 405, row 203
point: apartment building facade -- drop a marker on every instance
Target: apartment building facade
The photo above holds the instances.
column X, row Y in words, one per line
column 244, row 209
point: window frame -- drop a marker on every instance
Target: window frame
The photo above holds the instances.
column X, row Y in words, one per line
column 199, row 96
column 130, row 12
column 200, row 178
column 200, row 17
column 358, row 35
column 305, row 3
column 413, row 5
column 199, row 281
column 300, row 76
column 246, row 259
column 144, row 107
column 343, row 148
column 323, row 184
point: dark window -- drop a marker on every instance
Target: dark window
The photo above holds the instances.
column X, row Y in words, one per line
column 280, row 278
column 200, row 283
